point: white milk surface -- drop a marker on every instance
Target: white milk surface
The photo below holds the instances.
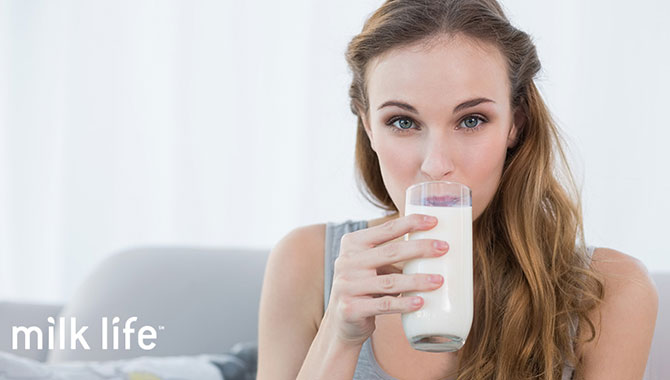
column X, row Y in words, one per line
column 448, row 309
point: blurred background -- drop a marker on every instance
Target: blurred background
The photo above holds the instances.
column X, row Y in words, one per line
column 227, row 124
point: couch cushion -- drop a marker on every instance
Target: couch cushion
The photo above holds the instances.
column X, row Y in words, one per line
column 198, row 300
column 24, row 314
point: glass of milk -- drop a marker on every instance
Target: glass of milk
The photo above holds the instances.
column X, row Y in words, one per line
column 444, row 321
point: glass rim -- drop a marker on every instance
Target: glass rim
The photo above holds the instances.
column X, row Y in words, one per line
column 427, row 182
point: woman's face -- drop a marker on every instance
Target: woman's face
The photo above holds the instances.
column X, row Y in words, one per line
column 441, row 113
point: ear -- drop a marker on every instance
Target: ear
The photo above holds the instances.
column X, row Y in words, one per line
column 518, row 123
column 368, row 130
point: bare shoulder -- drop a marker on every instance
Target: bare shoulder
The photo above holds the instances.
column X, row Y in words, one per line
column 616, row 264
column 627, row 280
column 298, row 258
column 291, row 306
column 627, row 314
column 302, row 241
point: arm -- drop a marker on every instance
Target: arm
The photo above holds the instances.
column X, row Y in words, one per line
column 623, row 337
column 291, row 343
column 329, row 358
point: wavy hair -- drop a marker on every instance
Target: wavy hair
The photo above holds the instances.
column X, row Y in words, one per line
column 534, row 283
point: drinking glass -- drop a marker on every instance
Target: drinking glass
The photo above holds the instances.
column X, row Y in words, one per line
column 444, row 321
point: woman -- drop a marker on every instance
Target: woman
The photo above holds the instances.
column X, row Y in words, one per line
column 443, row 90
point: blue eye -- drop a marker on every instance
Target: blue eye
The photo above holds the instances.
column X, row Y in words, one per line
column 403, row 124
column 471, row 123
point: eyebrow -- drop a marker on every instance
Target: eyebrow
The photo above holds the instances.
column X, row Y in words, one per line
column 466, row 104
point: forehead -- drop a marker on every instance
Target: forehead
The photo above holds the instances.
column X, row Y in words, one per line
column 442, row 74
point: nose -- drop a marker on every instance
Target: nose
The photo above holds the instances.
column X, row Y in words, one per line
column 438, row 160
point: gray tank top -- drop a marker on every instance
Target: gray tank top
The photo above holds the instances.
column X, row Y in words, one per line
column 368, row 368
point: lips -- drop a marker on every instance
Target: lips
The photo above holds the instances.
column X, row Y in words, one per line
column 441, row 200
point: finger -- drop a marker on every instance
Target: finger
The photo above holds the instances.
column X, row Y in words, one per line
column 401, row 251
column 394, row 229
column 394, row 284
column 368, row 307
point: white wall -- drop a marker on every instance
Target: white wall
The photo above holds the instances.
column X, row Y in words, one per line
column 606, row 80
column 226, row 123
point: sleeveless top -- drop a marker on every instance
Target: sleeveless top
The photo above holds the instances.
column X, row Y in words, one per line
column 368, row 368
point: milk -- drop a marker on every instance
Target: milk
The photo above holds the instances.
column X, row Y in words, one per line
column 444, row 321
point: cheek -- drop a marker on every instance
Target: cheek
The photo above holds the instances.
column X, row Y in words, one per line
column 483, row 167
column 396, row 158
column 479, row 162
column 398, row 164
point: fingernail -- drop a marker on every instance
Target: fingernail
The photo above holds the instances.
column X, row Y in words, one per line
column 442, row 245
column 429, row 218
column 416, row 301
column 436, row 278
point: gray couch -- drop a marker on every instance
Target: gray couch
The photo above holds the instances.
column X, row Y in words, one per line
column 201, row 301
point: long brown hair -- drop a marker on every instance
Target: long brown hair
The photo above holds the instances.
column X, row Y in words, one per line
column 533, row 278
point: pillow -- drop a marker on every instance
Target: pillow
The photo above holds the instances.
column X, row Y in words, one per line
column 201, row 367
